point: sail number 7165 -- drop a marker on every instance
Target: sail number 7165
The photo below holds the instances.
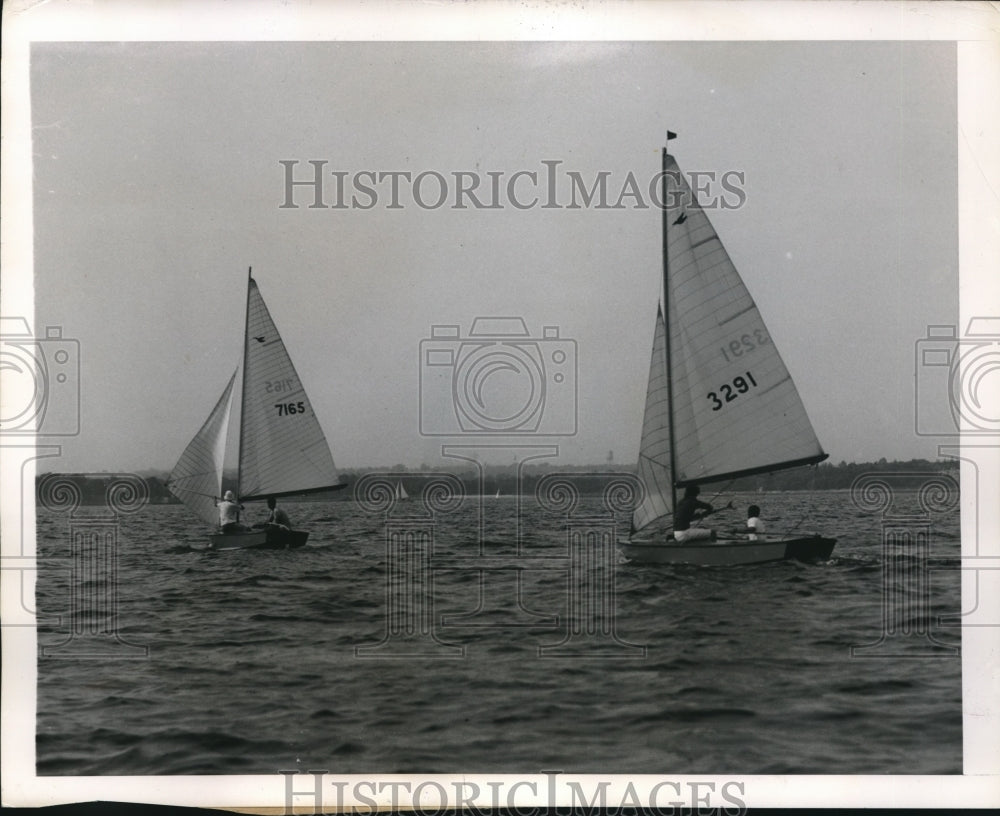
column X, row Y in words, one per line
column 277, row 386
column 286, row 408
column 731, row 390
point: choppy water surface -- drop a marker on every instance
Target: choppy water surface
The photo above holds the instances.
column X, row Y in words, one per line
column 262, row 661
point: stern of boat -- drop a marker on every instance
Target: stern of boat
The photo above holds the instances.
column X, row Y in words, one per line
column 814, row 548
column 278, row 539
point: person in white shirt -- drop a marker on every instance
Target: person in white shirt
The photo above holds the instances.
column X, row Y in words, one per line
column 229, row 514
column 754, row 523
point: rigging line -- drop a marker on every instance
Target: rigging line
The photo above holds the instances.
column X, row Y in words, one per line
column 812, row 504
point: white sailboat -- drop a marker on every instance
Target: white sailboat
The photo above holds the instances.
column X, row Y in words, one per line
column 401, row 494
column 282, row 449
column 720, row 403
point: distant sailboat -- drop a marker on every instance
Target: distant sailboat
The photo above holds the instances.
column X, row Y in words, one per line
column 497, row 496
column 720, row 403
column 282, row 449
column 401, row 494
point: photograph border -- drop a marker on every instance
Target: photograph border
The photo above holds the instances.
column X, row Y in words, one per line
column 975, row 28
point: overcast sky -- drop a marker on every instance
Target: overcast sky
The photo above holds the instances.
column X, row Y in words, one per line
column 158, row 182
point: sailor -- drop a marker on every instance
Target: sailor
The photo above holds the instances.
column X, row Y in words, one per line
column 229, row 514
column 277, row 517
column 754, row 523
column 691, row 509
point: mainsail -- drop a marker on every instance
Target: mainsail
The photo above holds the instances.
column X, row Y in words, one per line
column 282, row 447
column 733, row 408
column 197, row 478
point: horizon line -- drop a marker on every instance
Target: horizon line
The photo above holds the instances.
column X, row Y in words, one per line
column 403, row 468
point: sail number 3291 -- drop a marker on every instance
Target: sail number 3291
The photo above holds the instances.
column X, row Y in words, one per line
column 746, row 343
column 286, row 408
column 731, row 390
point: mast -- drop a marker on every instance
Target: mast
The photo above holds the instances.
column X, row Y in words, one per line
column 243, row 386
column 666, row 324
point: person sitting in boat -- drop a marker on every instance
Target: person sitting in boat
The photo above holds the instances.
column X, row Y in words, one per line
column 691, row 509
column 229, row 514
column 754, row 523
column 277, row 517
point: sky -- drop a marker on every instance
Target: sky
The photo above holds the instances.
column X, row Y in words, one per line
column 158, row 181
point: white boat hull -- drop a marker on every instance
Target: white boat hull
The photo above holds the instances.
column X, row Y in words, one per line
column 730, row 552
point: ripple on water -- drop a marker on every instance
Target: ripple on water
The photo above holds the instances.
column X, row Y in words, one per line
column 314, row 658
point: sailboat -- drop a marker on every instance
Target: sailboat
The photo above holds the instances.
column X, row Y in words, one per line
column 720, row 403
column 401, row 494
column 282, row 448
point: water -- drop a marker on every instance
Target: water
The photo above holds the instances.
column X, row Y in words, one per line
column 252, row 668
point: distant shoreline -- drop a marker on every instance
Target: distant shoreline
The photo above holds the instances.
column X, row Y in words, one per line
column 589, row 480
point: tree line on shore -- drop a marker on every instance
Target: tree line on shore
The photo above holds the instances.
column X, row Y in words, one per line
column 587, row 479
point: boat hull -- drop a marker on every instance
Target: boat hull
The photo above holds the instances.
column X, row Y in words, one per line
column 269, row 539
column 730, row 552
